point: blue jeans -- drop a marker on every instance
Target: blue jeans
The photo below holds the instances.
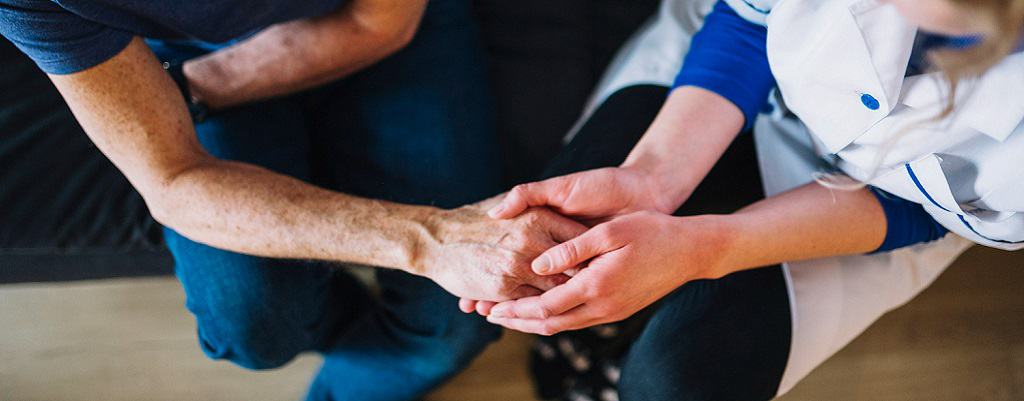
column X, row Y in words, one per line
column 415, row 128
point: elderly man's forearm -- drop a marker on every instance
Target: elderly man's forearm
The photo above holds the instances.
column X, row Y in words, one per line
column 302, row 54
column 248, row 209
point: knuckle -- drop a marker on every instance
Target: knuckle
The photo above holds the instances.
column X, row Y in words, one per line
column 567, row 252
column 518, row 193
column 541, row 217
column 526, row 188
column 606, row 233
column 534, row 217
column 599, row 288
column 515, row 240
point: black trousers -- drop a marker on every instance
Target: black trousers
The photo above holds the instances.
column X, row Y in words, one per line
column 725, row 339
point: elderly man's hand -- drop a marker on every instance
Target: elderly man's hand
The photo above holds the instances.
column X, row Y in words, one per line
column 474, row 256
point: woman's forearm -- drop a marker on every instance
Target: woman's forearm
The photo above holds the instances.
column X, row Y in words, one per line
column 689, row 135
column 805, row 223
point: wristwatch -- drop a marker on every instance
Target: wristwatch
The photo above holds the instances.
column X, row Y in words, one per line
column 196, row 107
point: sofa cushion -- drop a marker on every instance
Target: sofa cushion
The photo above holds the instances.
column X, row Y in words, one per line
column 62, row 203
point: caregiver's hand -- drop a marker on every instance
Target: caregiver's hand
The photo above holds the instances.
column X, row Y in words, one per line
column 588, row 195
column 472, row 255
column 634, row 260
column 591, row 196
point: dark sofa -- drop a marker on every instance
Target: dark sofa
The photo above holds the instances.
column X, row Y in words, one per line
column 67, row 214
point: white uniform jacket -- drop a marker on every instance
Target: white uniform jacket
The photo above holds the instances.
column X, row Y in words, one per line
column 840, row 67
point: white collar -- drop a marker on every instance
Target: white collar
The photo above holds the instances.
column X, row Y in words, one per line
column 992, row 103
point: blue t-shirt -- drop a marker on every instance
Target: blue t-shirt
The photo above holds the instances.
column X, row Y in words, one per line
column 66, row 36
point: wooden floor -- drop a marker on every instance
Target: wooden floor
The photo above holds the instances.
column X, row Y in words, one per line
column 132, row 340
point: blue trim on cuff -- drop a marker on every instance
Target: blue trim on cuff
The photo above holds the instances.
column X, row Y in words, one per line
column 969, row 226
column 913, row 177
column 920, row 187
column 756, row 8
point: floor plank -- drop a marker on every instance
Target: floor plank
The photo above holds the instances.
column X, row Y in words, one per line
column 962, row 339
column 132, row 339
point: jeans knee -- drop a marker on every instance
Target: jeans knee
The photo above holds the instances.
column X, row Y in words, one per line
column 252, row 342
column 259, row 312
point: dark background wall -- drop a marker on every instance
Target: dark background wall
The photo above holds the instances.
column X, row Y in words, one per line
column 546, row 57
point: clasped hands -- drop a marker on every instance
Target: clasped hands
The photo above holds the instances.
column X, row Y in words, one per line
column 621, row 252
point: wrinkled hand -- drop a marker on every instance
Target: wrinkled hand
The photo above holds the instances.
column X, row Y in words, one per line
column 472, row 255
column 634, row 261
column 588, row 195
column 591, row 196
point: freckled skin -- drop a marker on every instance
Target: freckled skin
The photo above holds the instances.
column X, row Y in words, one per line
column 302, row 54
column 135, row 115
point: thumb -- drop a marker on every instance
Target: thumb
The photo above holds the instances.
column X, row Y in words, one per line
column 523, row 196
column 570, row 254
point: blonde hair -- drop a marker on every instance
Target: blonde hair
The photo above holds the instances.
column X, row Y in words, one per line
column 1003, row 21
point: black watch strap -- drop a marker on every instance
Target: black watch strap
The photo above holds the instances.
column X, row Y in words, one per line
column 196, row 108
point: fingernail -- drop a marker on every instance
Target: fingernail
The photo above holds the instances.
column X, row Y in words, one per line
column 496, row 210
column 497, row 312
column 542, row 264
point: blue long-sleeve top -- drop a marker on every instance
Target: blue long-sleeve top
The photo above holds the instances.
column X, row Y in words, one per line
column 907, row 222
column 728, row 56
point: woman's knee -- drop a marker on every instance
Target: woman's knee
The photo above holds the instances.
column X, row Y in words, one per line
column 667, row 374
column 725, row 339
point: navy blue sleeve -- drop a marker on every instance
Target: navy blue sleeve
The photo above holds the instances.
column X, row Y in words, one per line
column 59, row 41
column 728, row 57
column 908, row 223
